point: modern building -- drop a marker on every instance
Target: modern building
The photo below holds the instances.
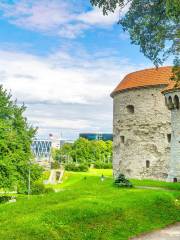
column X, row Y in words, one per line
column 97, row 136
column 41, row 149
column 142, row 125
column 65, row 141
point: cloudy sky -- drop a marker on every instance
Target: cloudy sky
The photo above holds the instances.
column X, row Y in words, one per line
column 63, row 59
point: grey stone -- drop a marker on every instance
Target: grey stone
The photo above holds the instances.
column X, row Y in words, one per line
column 141, row 148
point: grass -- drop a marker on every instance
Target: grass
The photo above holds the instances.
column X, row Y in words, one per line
column 155, row 183
column 86, row 208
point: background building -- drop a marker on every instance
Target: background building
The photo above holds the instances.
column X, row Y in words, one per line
column 97, row 136
column 41, row 149
column 141, row 125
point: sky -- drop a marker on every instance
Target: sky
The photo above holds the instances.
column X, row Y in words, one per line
column 62, row 59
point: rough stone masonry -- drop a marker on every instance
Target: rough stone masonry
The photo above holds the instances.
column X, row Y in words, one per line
column 142, row 125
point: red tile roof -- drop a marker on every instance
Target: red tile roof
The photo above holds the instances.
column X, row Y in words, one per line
column 145, row 78
column 172, row 86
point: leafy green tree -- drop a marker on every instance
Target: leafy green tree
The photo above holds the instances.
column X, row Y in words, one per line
column 64, row 154
column 153, row 25
column 81, row 150
column 15, row 144
column 85, row 151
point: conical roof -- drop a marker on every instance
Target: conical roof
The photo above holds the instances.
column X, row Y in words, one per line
column 144, row 78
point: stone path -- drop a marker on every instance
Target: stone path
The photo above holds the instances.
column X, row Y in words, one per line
column 155, row 188
column 170, row 233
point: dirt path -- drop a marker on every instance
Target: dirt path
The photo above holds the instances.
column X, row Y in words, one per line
column 170, row 233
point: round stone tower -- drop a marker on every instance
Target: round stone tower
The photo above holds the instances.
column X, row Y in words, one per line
column 172, row 96
column 141, row 125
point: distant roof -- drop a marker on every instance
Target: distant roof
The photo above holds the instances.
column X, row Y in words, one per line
column 144, row 78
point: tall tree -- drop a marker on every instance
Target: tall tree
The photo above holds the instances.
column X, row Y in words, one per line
column 15, row 144
column 154, row 25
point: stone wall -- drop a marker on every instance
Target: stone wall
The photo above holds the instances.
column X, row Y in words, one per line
column 141, row 147
column 174, row 106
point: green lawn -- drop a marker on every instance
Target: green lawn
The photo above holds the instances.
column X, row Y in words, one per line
column 87, row 208
column 158, row 184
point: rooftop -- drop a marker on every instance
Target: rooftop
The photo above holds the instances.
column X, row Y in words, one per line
column 144, row 78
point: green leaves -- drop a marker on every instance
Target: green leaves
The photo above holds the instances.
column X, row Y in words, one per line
column 109, row 5
column 154, row 25
column 85, row 151
column 15, row 143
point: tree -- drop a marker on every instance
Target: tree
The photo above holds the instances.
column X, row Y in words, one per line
column 85, row 151
column 15, row 144
column 64, row 154
column 154, row 25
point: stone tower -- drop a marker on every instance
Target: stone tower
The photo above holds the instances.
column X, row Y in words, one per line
column 172, row 96
column 142, row 125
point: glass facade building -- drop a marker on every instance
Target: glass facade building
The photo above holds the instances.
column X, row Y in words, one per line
column 97, row 136
column 41, row 149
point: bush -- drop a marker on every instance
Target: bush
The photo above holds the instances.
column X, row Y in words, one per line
column 76, row 167
column 4, row 199
column 39, row 188
column 122, row 181
column 55, row 165
column 49, row 190
column 36, row 174
column 46, row 175
column 102, row 165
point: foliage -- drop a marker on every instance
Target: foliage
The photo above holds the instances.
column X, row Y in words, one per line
column 176, row 72
column 35, row 174
column 122, row 181
column 76, row 167
column 89, row 209
column 102, row 165
column 39, row 188
column 85, row 151
column 5, row 198
column 15, row 144
column 63, row 154
column 49, row 190
column 55, row 165
column 45, row 175
column 152, row 24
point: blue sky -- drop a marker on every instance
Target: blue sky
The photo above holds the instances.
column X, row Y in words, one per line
column 63, row 59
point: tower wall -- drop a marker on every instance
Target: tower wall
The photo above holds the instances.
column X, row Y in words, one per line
column 172, row 102
column 141, row 144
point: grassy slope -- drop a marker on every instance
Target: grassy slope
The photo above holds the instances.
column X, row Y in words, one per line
column 86, row 208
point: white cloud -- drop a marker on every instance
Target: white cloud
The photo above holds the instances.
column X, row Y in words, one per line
column 56, row 17
column 64, row 90
column 34, row 79
column 50, row 123
column 96, row 17
column 38, row 15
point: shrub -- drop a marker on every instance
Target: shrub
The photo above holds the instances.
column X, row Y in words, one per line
column 76, row 167
column 46, row 175
column 55, row 165
column 49, row 190
column 36, row 174
column 102, row 165
column 122, row 181
column 4, row 199
column 37, row 188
